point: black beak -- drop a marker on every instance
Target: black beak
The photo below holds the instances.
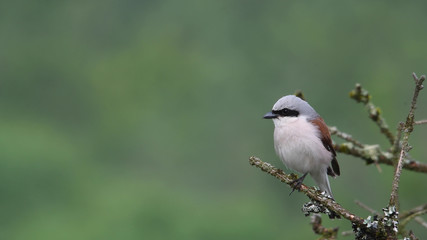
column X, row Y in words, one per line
column 270, row 115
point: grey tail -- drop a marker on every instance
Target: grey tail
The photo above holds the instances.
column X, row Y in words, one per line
column 322, row 180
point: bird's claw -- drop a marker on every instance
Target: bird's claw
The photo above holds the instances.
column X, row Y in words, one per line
column 296, row 184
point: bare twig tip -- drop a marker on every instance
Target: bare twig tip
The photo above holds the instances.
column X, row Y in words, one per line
column 420, row 122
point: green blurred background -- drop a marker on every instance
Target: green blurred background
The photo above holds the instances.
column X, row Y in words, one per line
column 135, row 119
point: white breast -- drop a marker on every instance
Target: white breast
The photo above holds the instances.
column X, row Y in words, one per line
column 297, row 143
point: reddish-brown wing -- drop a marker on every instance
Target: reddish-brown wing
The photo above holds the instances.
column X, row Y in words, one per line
column 327, row 142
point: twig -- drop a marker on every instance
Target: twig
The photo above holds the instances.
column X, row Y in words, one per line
column 372, row 154
column 299, row 94
column 420, row 122
column 396, row 147
column 412, row 236
column 313, row 194
column 394, row 197
column 421, row 221
column 407, row 129
column 326, row 233
column 415, row 211
column 364, row 206
column 409, row 215
column 361, row 95
column 347, row 233
column 369, row 153
column 345, row 136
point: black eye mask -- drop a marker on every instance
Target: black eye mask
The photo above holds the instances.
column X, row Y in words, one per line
column 286, row 112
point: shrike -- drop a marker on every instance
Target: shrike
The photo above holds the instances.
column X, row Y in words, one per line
column 302, row 141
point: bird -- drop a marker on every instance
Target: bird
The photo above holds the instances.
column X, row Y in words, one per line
column 303, row 142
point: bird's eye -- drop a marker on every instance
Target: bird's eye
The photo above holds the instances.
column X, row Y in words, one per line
column 286, row 112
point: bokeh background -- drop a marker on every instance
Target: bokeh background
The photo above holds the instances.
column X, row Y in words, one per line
column 135, row 119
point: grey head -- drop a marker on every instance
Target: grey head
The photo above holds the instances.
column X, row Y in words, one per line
column 291, row 106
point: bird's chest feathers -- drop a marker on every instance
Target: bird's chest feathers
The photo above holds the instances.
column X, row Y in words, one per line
column 297, row 143
column 295, row 131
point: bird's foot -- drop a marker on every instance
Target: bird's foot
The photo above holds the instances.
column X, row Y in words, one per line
column 296, row 184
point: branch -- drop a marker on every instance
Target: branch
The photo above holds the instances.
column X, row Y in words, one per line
column 389, row 224
column 396, row 147
column 421, row 221
column 345, row 136
column 412, row 236
column 313, row 194
column 414, row 213
column 411, row 214
column 373, row 154
column 406, row 131
column 420, row 122
column 326, row 233
column 375, row 228
column 367, row 208
column 361, row 95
